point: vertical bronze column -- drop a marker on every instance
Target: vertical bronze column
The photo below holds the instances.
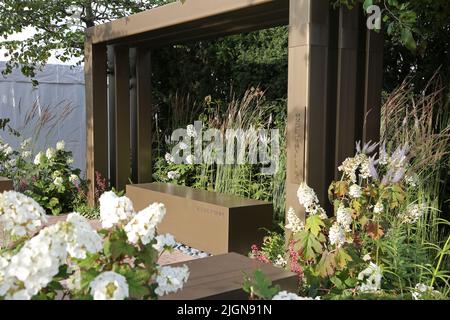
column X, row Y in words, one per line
column 346, row 86
column 122, row 114
column 96, row 113
column 144, row 121
column 307, row 149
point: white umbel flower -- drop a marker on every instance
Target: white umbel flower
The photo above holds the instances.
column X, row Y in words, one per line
column 114, row 209
column 173, row 175
column 74, row 179
column 284, row 295
column 336, row 235
column 58, row 181
column 169, row 158
column 378, row 208
column 109, row 286
column 69, row 160
column 60, row 145
column 344, row 217
column 143, row 225
column 373, row 276
column 294, row 223
column 412, row 214
column 39, row 158
column 50, row 153
column 171, row 279
column 164, row 241
column 355, row 191
column 20, row 215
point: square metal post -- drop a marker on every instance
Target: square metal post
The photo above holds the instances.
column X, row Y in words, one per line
column 96, row 114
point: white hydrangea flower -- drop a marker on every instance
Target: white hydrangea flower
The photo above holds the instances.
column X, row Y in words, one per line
column 83, row 238
column 171, row 279
column 190, row 159
column 109, row 286
column 60, row 145
column 39, row 158
column 169, row 158
column 25, row 144
column 8, row 150
column 280, row 261
column 58, row 181
column 26, row 154
column 173, row 175
column 74, row 179
column 294, row 223
column 191, row 131
column 69, row 160
column 307, row 197
column 364, row 171
column 114, row 209
column 284, row 295
column 373, row 276
column 412, row 214
column 366, row 257
column 164, row 241
column 50, row 153
column 378, row 208
column 355, row 191
column 143, row 225
column 349, row 167
column 422, row 289
column 336, row 235
column 35, row 265
column 20, row 215
column 344, row 217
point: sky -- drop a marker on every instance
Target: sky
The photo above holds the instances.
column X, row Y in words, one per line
column 24, row 35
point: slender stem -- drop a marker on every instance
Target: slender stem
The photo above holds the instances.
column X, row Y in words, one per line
column 441, row 256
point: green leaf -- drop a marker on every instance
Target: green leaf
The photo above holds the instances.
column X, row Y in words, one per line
column 367, row 3
column 308, row 244
column 327, row 264
column 87, row 277
column 314, row 224
column 259, row 285
column 342, row 258
column 408, row 39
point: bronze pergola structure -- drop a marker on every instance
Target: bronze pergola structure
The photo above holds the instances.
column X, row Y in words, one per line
column 334, row 83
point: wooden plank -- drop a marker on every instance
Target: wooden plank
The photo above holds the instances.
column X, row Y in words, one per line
column 96, row 114
column 122, row 114
column 6, row 184
column 202, row 12
column 144, row 121
column 221, row 277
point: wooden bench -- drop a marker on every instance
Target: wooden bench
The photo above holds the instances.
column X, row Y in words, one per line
column 221, row 278
column 213, row 222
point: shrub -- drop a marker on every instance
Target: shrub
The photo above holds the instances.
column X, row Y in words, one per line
column 71, row 260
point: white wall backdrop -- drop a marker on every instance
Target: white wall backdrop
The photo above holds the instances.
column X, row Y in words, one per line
column 52, row 111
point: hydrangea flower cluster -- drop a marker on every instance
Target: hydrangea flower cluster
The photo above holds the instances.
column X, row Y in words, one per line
column 114, row 209
column 373, row 274
column 344, row 217
column 142, row 226
column 173, row 175
column 171, row 279
column 422, row 291
column 336, row 235
column 293, row 221
column 164, row 241
column 109, row 286
column 308, row 199
column 20, row 215
column 284, row 295
column 38, row 261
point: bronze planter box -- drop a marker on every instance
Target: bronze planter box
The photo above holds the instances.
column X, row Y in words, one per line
column 6, row 184
column 221, row 278
column 213, row 222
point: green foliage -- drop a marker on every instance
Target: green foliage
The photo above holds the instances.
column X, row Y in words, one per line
column 258, row 286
